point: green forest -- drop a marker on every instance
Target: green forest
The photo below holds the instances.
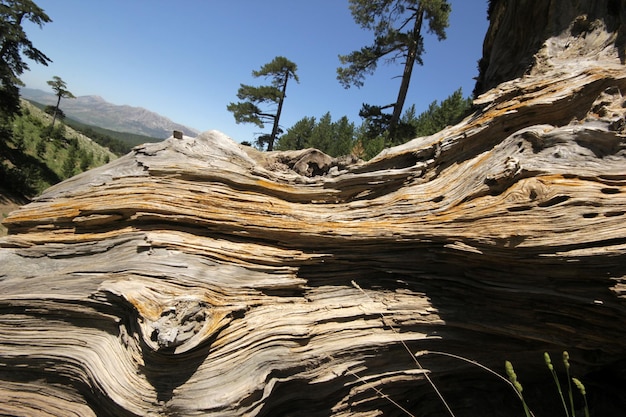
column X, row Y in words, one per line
column 341, row 137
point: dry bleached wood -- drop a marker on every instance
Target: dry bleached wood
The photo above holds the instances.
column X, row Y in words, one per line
column 199, row 277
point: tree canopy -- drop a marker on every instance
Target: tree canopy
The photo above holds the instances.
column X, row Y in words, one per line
column 397, row 27
column 341, row 137
column 13, row 45
column 263, row 104
column 438, row 116
column 333, row 138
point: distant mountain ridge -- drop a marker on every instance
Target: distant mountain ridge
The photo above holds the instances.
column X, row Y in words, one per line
column 95, row 110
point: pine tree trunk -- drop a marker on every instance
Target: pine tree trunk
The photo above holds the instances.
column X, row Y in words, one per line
column 270, row 145
column 56, row 109
column 406, row 75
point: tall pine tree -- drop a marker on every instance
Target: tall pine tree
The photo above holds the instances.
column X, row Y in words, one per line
column 397, row 27
column 280, row 70
column 60, row 90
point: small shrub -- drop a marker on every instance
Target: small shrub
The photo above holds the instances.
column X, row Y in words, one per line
column 41, row 148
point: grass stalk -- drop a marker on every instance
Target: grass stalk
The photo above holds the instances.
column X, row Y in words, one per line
column 508, row 366
column 473, row 362
column 548, row 361
column 569, row 382
column 583, row 392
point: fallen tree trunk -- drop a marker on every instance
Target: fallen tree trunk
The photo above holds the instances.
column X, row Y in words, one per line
column 199, row 277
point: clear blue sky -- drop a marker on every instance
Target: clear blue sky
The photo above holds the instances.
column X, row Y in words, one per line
column 185, row 59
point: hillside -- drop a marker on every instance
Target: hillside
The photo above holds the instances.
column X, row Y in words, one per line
column 35, row 157
column 119, row 143
column 129, row 139
column 94, row 110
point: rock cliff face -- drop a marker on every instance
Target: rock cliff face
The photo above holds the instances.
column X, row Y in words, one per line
column 523, row 33
column 198, row 277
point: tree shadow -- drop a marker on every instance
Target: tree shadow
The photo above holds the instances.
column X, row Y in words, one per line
column 497, row 303
column 27, row 170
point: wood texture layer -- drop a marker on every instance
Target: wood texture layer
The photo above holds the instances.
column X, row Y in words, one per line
column 200, row 277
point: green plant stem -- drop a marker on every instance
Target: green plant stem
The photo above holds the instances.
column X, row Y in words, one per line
column 556, row 381
column 569, row 382
column 483, row 367
column 526, row 409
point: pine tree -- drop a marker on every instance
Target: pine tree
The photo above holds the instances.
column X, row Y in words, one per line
column 13, row 45
column 344, row 137
column 298, row 136
column 41, row 147
column 438, row 116
column 69, row 164
column 332, row 138
column 60, row 90
column 397, row 27
column 280, row 70
column 322, row 135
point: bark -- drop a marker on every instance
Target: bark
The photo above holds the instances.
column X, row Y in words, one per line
column 56, row 108
column 270, row 145
column 200, row 277
column 412, row 53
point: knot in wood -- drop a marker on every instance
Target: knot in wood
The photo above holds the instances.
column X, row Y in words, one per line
column 502, row 179
column 179, row 322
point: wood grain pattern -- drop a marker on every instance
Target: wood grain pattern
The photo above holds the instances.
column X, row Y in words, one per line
column 200, row 277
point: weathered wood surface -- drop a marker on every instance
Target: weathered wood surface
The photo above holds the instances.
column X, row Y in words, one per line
column 199, row 277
